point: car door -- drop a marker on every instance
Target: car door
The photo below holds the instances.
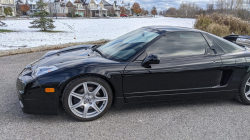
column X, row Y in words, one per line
column 233, row 64
column 187, row 69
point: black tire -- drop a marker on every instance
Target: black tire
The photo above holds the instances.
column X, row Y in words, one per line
column 78, row 81
column 241, row 97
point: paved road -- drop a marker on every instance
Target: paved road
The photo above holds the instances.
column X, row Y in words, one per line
column 186, row 120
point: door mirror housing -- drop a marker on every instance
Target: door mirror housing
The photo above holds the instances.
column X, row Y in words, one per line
column 150, row 59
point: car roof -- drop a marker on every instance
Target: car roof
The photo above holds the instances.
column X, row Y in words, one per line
column 171, row 28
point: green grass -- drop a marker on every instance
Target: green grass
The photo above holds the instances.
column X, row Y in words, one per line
column 51, row 31
column 3, row 31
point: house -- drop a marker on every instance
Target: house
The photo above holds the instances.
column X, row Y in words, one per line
column 33, row 6
column 128, row 9
column 30, row 3
column 58, row 8
column 79, row 8
column 76, row 7
column 71, row 7
column 115, row 6
column 109, row 7
column 5, row 4
column 95, row 8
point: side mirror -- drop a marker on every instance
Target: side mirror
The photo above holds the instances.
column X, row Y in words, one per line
column 150, row 59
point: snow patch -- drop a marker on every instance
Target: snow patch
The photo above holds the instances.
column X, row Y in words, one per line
column 78, row 30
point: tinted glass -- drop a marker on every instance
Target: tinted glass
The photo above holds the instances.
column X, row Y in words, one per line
column 213, row 44
column 179, row 44
column 227, row 46
column 126, row 46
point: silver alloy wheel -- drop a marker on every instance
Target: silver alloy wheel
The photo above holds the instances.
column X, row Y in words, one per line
column 247, row 89
column 89, row 103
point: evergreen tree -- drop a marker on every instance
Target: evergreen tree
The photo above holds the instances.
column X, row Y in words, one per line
column 8, row 11
column 43, row 22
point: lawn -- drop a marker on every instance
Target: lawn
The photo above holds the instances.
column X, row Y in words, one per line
column 4, row 31
column 50, row 31
column 79, row 30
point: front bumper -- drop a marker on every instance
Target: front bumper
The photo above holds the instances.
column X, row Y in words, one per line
column 32, row 96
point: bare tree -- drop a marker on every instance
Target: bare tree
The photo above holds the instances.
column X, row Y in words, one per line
column 111, row 11
column 142, row 11
column 220, row 5
column 210, row 8
column 171, row 11
column 71, row 8
column 123, row 10
column 154, row 11
column 85, row 6
column 18, row 7
column 50, row 7
column 188, row 9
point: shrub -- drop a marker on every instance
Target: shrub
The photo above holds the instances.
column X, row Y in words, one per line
column 218, row 29
column 175, row 16
column 203, row 22
column 8, row 11
column 77, row 15
column 222, row 25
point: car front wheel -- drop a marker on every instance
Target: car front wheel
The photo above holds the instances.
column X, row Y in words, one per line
column 87, row 98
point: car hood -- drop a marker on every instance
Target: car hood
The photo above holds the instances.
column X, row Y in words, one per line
column 67, row 54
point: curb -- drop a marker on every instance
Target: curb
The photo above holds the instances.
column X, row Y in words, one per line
column 49, row 47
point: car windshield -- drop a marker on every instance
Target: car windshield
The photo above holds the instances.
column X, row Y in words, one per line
column 126, row 46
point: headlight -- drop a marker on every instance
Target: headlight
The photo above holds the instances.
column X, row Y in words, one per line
column 43, row 70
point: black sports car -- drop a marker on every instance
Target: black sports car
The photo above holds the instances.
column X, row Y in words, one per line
column 154, row 63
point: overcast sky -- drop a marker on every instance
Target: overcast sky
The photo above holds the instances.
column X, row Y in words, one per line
column 165, row 4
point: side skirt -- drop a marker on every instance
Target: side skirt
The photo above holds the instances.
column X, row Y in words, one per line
column 221, row 94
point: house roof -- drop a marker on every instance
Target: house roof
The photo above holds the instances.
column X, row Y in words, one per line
column 110, row 2
column 118, row 2
column 71, row 3
column 97, row 1
column 105, row 3
column 77, row 1
column 87, row 1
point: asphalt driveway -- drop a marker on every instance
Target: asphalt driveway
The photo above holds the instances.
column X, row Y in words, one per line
column 226, row 119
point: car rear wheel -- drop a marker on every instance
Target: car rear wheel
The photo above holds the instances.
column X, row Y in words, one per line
column 87, row 98
column 244, row 94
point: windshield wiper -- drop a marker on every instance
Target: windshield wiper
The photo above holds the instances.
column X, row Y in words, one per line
column 94, row 49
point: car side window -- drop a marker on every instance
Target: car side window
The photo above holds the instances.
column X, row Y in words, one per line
column 227, row 46
column 178, row 44
column 213, row 44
